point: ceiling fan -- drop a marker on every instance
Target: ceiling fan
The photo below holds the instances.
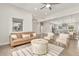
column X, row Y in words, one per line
column 48, row 5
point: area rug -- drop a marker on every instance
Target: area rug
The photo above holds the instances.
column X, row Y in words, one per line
column 53, row 50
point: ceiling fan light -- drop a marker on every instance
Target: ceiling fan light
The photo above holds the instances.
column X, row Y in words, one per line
column 48, row 5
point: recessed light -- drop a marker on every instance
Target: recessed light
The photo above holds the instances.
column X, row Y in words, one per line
column 35, row 8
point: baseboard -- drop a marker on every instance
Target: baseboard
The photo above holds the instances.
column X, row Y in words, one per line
column 5, row 43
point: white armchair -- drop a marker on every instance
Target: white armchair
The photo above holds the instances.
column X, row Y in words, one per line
column 63, row 39
column 49, row 36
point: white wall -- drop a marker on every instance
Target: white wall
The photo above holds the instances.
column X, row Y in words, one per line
column 47, row 27
column 36, row 27
column 7, row 12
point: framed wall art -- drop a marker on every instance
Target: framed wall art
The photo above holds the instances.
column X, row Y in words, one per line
column 17, row 24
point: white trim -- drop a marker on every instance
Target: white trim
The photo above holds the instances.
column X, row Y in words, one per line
column 5, row 43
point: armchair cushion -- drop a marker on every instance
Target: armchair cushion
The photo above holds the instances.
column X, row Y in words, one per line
column 63, row 36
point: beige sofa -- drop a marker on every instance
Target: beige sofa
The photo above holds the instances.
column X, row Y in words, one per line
column 21, row 38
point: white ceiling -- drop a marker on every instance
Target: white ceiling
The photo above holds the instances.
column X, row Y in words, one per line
column 41, row 14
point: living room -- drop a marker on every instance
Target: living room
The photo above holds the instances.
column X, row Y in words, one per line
column 42, row 25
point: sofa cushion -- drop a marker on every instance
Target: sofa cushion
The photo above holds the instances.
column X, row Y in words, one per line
column 25, row 36
column 18, row 40
column 19, row 35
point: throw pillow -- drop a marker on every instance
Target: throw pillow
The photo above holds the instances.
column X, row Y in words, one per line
column 34, row 34
column 14, row 36
column 25, row 36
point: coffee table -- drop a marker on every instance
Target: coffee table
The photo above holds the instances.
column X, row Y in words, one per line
column 53, row 50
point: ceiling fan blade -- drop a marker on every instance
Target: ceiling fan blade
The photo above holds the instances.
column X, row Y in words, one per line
column 50, row 8
column 43, row 7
